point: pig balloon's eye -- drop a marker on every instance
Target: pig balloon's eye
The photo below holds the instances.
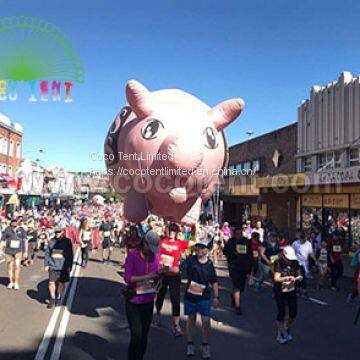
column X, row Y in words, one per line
column 210, row 138
column 151, row 129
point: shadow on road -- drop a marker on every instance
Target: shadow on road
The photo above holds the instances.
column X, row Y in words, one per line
column 41, row 294
column 4, row 281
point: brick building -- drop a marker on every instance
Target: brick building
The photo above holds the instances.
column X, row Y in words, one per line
column 10, row 146
column 265, row 156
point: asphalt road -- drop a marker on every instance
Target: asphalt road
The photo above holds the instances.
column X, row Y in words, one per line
column 93, row 325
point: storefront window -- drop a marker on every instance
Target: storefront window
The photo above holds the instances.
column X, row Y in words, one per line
column 355, row 225
column 311, row 218
column 337, row 220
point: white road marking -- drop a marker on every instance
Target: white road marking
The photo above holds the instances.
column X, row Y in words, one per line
column 66, row 317
column 40, row 355
column 319, row 302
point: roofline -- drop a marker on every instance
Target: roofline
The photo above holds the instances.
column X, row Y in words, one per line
column 263, row 135
column 11, row 128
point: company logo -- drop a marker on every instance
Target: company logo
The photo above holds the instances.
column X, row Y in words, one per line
column 37, row 56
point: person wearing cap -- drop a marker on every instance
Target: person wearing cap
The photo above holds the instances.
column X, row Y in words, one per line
column 201, row 277
column 14, row 241
column 287, row 273
column 59, row 259
column 268, row 252
column 238, row 252
column 142, row 271
column 170, row 251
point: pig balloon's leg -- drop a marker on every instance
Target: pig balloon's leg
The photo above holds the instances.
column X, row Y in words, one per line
column 135, row 207
column 193, row 214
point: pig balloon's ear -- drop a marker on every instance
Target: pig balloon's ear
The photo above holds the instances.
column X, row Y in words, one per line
column 137, row 96
column 225, row 113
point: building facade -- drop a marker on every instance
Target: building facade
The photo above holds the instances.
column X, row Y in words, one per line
column 329, row 157
column 10, row 146
column 262, row 157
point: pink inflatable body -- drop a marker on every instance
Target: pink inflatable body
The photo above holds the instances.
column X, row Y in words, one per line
column 165, row 152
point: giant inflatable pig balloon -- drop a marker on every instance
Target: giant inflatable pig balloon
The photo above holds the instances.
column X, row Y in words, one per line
column 165, row 152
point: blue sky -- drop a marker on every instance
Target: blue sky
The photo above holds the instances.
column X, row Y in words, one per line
column 269, row 53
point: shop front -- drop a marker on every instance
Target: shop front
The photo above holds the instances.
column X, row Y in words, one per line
column 332, row 212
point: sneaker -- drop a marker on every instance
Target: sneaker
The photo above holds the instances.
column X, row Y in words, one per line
column 281, row 339
column 157, row 320
column 51, row 303
column 206, row 352
column 288, row 336
column 350, row 299
column 334, row 288
column 16, row 286
column 177, row 331
column 238, row 311
column 10, row 286
column 190, row 350
column 58, row 302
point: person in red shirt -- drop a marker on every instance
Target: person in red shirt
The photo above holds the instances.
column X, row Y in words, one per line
column 255, row 243
column 336, row 264
column 170, row 251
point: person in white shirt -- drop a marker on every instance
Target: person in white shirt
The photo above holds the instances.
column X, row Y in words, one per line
column 304, row 251
column 259, row 229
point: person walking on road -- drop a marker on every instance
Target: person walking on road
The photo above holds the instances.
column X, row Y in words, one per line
column 14, row 242
column 269, row 253
column 200, row 273
column 170, row 251
column 286, row 273
column 59, row 259
column 355, row 264
column 304, row 252
column 239, row 256
column 336, row 264
column 85, row 237
column 107, row 235
column 142, row 271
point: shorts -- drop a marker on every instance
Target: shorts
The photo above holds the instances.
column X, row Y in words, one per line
column 13, row 258
column 62, row 276
column 238, row 279
column 106, row 244
column 202, row 307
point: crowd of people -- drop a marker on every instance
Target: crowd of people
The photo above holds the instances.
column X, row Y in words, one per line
column 159, row 255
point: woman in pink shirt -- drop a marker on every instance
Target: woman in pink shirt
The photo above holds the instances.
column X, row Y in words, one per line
column 142, row 268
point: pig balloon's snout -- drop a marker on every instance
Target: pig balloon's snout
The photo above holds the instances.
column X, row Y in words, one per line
column 183, row 155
